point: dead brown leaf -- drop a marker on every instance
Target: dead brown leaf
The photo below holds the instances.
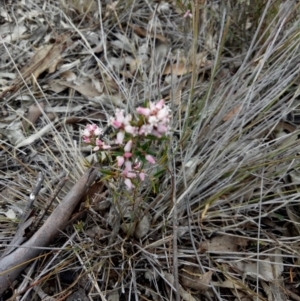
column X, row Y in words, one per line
column 185, row 295
column 223, row 243
column 183, row 67
column 134, row 65
column 191, row 278
column 144, row 33
column 142, row 227
column 55, row 86
column 45, row 59
column 68, row 75
column 235, row 111
column 87, row 88
column 93, row 195
column 178, row 69
column 34, row 112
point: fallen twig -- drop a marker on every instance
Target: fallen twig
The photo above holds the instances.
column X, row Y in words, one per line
column 15, row 262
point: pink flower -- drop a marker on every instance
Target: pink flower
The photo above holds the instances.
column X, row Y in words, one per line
column 90, row 127
column 98, row 131
column 156, row 134
column 100, row 145
column 150, row 159
column 118, row 120
column 128, row 183
column 142, row 175
column 128, row 146
column 146, row 129
column 128, row 167
column 131, row 129
column 153, row 120
column 122, row 123
column 120, row 137
column 159, row 130
column 131, row 175
column 127, row 155
column 163, row 114
column 143, row 111
column 86, row 133
column 162, row 128
column 160, row 104
column 155, row 107
column 86, row 140
column 127, row 172
column 92, row 130
column 157, row 119
column 187, row 14
column 137, row 164
column 120, row 161
column 153, row 110
column 116, row 124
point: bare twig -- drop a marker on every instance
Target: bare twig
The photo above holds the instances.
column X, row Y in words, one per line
column 12, row 264
column 35, row 191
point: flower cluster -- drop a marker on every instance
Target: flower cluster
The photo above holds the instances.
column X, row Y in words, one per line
column 91, row 135
column 132, row 138
column 157, row 119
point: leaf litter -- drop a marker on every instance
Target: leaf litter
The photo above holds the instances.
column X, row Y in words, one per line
column 231, row 78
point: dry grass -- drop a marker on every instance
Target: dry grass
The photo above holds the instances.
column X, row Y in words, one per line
column 224, row 220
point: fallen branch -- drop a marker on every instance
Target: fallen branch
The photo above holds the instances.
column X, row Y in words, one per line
column 14, row 263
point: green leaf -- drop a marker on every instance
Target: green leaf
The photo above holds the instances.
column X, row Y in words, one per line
column 145, row 146
column 107, row 172
column 155, row 185
column 277, row 215
column 86, row 163
column 159, row 173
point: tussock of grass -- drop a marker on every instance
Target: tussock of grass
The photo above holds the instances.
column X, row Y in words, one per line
column 233, row 154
